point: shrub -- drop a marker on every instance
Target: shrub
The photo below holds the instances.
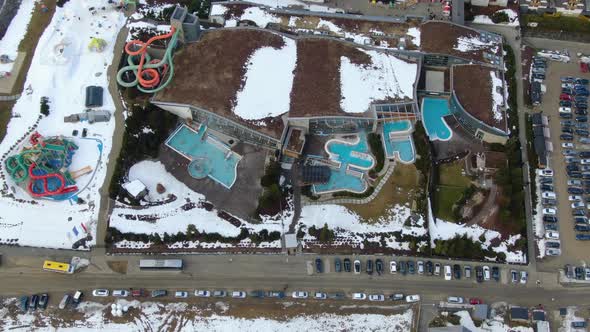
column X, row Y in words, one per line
column 500, row 17
column 272, row 174
column 377, row 151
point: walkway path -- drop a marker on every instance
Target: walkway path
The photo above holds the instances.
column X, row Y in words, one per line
column 487, row 208
column 111, row 162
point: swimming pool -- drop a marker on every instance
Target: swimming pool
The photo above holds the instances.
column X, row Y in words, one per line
column 398, row 141
column 354, row 152
column 340, row 180
column 209, row 156
column 433, row 111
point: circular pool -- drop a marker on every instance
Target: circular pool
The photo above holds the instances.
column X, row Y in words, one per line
column 199, row 168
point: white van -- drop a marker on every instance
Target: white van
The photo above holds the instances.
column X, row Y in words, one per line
column 77, row 297
column 448, row 272
column 64, row 301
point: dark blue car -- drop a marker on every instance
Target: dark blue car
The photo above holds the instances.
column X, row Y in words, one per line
column 319, row 267
column 574, row 191
column 582, row 118
column 583, row 237
column 582, row 227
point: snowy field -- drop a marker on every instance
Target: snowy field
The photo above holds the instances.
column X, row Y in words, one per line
column 267, row 82
column 512, row 18
column 151, row 316
column 471, row 44
column 187, row 209
column 387, row 77
column 16, row 32
column 444, row 230
column 489, row 325
column 61, row 69
column 350, row 229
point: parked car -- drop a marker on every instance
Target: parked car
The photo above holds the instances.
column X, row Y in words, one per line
column 100, row 292
column 412, row 298
column 546, row 172
column 574, row 198
column 396, row 297
column 448, row 272
column 238, row 295
column 347, row 265
column 411, row 268
column 581, row 220
column 77, row 298
column 552, row 252
column 336, row 296
column 467, row 271
column 457, row 271
column 565, row 115
column 486, row 273
column 474, row 301
column 34, row 302
column 221, row 293
column 357, row 266
column 320, row 296
column 299, row 295
column 64, row 301
column 567, row 130
column 549, row 211
column 359, row 296
column 553, row 244
column 455, row 299
column 429, row 268
column 496, row 273
column 137, row 292
column 378, row 266
column 479, row 274
column 369, row 266
column 319, row 268
column 550, row 227
column 420, row 267
column 552, row 235
column 43, row 301
column 120, row 293
column 575, row 190
column 202, row 293
column 548, row 194
column 436, row 269
column 578, row 213
column 583, row 237
column 584, row 154
column 574, row 182
column 523, row 277
column 582, row 228
column 337, row 265
column 181, row 294
column 257, row 294
column 582, row 118
column 159, row 293
column 582, row 132
column 513, row 276
column 546, row 187
column 276, row 294
column 392, row 267
column 402, row 267
column 376, row 298
column 549, row 218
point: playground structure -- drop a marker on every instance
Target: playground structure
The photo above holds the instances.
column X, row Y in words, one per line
column 150, row 75
column 42, row 167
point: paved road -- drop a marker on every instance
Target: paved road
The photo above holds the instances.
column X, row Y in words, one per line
column 510, row 34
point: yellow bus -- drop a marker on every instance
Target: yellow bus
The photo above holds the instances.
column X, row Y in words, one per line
column 58, row 267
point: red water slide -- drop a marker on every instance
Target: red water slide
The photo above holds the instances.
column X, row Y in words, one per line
column 46, row 192
column 150, row 77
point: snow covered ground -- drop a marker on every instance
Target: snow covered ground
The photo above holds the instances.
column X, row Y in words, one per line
column 566, row 323
column 61, row 68
column 497, row 96
column 153, row 316
column 387, row 77
column 16, row 32
column 350, row 228
column 444, row 230
column 187, row 209
column 268, row 82
column 471, row 44
column 538, row 227
column 512, row 18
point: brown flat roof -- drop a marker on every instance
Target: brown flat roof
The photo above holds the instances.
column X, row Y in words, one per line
column 443, row 38
column 208, row 74
column 473, row 87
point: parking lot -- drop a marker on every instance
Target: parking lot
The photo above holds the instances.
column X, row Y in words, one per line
column 572, row 251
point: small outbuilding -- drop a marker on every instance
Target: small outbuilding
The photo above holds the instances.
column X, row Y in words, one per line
column 94, row 96
column 519, row 314
column 136, row 189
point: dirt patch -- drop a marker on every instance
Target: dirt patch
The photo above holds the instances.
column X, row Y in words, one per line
column 316, row 85
column 473, row 87
column 208, row 74
column 118, row 266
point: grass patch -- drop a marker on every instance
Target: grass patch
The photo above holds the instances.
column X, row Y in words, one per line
column 39, row 21
column 446, row 197
column 5, row 115
column 400, row 189
column 557, row 23
column 450, row 175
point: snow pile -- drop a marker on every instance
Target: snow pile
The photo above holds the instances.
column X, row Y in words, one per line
column 257, row 15
column 566, row 324
column 218, row 9
column 482, row 19
column 444, row 230
column 497, row 96
column 16, row 32
column 488, row 325
column 296, row 3
column 268, row 82
column 472, row 44
column 155, row 316
column 512, row 18
column 387, row 77
column 45, row 223
column 174, row 216
column 415, row 34
column 348, row 225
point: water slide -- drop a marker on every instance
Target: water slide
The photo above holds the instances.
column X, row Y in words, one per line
column 45, row 178
column 148, row 78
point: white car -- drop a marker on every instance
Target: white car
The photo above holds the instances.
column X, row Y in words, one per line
column 585, row 161
column 545, row 172
column 577, row 205
column 486, row 272
column 180, row 294
column 448, row 273
column 436, row 269
column 552, row 252
column 455, row 299
column 552, row 235
column 420, row 267
column 202, row 293
column 100, row 292
column 567, row 145
column 574, row 198
column 393, row 267
column 238, row 295
column 565, row 110
column 359, row 296
column 320, row 296
column 412, row 298
column 523, row 277
column 357, row 266
column 549, row 211
column 574, row 182
column 549, row 195
column 377, row 297
column 120, row 293
column 300, row 295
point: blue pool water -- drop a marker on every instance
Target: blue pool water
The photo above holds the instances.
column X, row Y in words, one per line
column 356, row 154
column 339, row 180
column 433, row 111
column 402, row 145
column 208, row 158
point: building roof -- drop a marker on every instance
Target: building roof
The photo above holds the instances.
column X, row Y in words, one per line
column 94, row 96
column 295, row 140
column 538, row 315
column 135, row 188
column 476, row 88
column 480, row 311
column 215, row 74
column 519, row 313
column 315, row 174
column 460, row 41
column 537, row 119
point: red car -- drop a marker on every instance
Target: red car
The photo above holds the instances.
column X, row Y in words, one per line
column 137, row 293
column 475, row 301
column 565, row 96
